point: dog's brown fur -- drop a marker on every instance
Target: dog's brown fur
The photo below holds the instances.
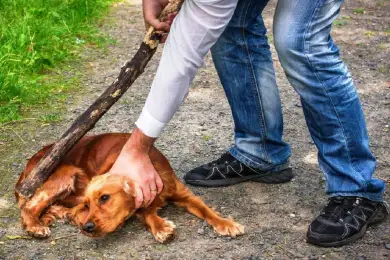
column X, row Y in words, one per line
column 75, row 191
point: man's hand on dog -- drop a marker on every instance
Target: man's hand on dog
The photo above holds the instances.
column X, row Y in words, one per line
column 152, row 10
column 134, row 162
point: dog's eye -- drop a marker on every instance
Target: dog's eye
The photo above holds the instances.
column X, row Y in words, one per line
column 104, row 198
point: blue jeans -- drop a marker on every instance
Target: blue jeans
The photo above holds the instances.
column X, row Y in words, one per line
column 313, row 66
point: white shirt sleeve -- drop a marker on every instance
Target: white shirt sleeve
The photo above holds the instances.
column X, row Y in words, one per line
column 194, row 31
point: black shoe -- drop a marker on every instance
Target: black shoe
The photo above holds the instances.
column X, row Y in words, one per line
column 344, row 220
column 228, row 171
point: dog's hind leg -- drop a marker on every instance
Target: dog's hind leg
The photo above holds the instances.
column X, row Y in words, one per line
column 59, row 185
column 163, row 230
column 185, row 198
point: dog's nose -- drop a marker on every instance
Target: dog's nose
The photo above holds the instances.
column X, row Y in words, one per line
column 89, row 227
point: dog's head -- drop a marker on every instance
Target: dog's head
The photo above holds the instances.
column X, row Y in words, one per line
column 108, row 201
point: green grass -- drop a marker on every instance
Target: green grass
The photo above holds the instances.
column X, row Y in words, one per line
column 341, row 21
column 36, row 38
column 359, row 10
column 50, row 118
column 370, row 34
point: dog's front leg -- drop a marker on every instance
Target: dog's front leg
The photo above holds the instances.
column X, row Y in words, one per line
column 58, row 186
column 163, row 230
column 55, row 212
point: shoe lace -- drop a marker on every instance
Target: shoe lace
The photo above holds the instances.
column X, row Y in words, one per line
column 226, row 157
column 339, row 207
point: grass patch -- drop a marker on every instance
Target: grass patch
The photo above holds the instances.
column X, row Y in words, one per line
column 36, row 38
column 50, row 118
column 359, row 10
column 384, row 69
column 370, row 34
column 342, row 21
column 270, row 39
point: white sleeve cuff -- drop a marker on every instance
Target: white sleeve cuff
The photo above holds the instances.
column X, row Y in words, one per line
column 149, row 125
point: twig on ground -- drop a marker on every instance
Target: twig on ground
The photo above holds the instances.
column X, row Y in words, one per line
column 18, row 135
column 10, row 237
column 290, row 252
column 65, row 236
column 17, row 121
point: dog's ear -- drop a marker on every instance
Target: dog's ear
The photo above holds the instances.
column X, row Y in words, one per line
column 128, row 187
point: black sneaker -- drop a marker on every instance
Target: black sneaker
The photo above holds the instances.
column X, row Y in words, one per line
column 344, row 220
column 228, row 171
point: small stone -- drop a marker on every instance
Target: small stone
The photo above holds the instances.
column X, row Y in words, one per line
column 360, row 258
column 210, row 142
column 387, row 246
column 292, row 215
column 6, row 220
column 200, row 231
column 259, row 230
column 313, row 257
column 205, row 224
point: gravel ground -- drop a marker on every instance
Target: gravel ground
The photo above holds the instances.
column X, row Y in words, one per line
column 276, row 216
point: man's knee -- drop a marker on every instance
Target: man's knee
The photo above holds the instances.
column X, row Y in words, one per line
column 288, row 45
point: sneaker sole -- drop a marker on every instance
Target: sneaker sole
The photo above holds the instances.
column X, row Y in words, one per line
column 270, row 178
column 376, row 218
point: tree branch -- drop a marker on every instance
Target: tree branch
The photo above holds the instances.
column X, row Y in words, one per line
column 128, row 74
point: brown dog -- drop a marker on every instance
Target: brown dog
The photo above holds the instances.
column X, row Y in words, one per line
column 99, row 203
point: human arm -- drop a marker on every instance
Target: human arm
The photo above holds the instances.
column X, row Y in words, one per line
column 195, row 29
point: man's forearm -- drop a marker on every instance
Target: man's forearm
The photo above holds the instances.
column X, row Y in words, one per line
column 194, row 31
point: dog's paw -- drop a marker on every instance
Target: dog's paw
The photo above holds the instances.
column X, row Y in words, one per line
column 166, row 232
column 48, row 220
column 230, row 228
column 38, row 231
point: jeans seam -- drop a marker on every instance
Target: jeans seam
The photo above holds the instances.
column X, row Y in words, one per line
column 322, row 86
column 253, row 80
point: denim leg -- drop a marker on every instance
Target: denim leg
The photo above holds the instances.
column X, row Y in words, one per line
column 244, row 64
column 329, row 99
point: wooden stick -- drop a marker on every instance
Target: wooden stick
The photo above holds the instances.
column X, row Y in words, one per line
column 128, row 74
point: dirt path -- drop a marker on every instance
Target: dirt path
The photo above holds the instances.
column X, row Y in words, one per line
column 275, row 216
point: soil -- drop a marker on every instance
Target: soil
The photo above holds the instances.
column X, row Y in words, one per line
column 276, row 217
